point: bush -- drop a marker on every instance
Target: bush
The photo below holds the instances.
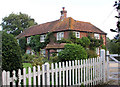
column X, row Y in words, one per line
column 28, row 57
column 85, row 41
column 91, row 54
column 72, row 52
column 11, row 53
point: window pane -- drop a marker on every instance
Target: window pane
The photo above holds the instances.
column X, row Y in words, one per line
column 42, row 38
column 60, row 35
column 77, row 34
column 28, row 40
column 97, row 36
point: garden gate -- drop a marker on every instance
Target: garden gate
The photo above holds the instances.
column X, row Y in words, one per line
column 113, row 67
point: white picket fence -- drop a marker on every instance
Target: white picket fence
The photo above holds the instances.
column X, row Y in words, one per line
column 88, row 72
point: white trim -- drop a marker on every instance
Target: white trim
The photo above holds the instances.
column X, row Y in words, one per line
column 42, row 38
column 77, row 34
column 97, row 36
column 60, row 35
column 28, row 40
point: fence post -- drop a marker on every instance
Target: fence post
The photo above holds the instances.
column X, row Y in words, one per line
column 4, row 78
column 102, row 55
column 107, row 65
column 47, row 74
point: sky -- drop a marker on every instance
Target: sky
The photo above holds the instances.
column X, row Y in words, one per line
column 100, row 13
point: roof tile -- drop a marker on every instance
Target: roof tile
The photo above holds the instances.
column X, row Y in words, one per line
column 58, row 25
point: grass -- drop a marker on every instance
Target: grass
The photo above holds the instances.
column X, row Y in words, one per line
column 26, row 65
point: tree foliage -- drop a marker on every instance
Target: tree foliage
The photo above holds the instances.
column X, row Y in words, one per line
column 11, row 54
column 22, row 44
column 15, row 23
column 72, row 52
column 35, row 43
column 113, row 46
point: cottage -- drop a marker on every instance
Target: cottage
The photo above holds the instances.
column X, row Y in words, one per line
column 60, row 29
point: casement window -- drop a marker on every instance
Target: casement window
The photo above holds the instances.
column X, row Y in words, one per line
column 42, row 38
column 28, row 40
column 60, row 35
column 97, row 36
column 97, row 51
column 43, row 52
column 77, row 34
column 27, row 51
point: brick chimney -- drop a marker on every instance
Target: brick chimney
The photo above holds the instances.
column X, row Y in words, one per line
column 63, row 14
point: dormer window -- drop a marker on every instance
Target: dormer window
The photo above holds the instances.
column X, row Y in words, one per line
column 97, row 36
column 77, row 34
column 42, row 38
column 28, row 40
column 60, row 35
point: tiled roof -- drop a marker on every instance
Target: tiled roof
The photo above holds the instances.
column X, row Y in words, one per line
column 59, row 25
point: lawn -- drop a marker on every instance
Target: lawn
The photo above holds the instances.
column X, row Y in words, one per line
column 26, row 65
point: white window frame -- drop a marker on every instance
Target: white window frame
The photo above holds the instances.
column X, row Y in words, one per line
column 97, row 36
column 77, row 34
column 60, row 35
column 42, row 38
column 28, row 40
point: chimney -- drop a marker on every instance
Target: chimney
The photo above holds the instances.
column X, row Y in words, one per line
column 63, row 14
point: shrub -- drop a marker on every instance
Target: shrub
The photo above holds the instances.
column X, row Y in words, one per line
column 72, row 52
column 11, row 53
column 91, row 54
column 28, row 57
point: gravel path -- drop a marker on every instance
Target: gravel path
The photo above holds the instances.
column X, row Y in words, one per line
column 114, row 82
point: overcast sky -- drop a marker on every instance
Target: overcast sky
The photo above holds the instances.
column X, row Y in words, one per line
column 98, row 12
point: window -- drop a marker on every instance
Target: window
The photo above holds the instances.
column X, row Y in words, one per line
column 27, row 51
column 77, row 34
column 43, row 52
column 97, row 36
column 42, row 38
column 60, row 35
column 97, row 51
column 28, row 40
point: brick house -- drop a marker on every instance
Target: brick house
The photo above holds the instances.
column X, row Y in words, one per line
column 60, row 29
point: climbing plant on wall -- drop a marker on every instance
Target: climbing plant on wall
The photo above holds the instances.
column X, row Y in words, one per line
column 35, row 43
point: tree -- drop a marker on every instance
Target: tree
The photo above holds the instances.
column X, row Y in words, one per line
column 11, row 54
column 15, row 23
column 72, row 52
column 113, row 46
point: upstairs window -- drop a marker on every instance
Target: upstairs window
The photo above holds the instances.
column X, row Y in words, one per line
column 77, row 34
column 60, row 35
column 28, row 40
column 42, row 38
column 97, row 36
